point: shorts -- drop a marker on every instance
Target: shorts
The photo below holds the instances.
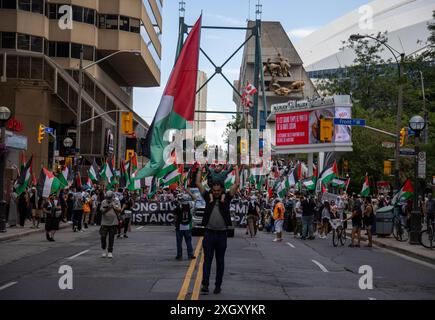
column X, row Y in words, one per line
column 36, row 213
column 356, row 225
column 278, row 225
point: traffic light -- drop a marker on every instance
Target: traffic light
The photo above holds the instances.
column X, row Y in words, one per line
column 387, row 167
column 129, row 154
column 127, row 122
column 403, row 136
column 41, row 133
column 326, row 128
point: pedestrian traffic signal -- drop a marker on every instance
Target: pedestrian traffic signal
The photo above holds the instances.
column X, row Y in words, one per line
column 387, row 167
column 326, row 128
column 41, row 133
column 403, row 136
column 127, row 123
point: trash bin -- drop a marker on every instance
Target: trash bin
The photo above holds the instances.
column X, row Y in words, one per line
column 384, row 221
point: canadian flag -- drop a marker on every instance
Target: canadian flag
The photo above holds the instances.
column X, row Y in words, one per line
column 248, row 92
column 250, row 89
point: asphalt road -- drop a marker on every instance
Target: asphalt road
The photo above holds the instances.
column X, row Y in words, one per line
column 144, row 267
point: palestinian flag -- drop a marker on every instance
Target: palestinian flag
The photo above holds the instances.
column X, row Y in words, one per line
column 25, row 177
column 365, row 192
column 292, row 178
column 78, row 181
column 22, row 161
column 48, row 184
column 310, row 184
column 324, row 189
column 230, row 180
column 329, row 173
column 89, row 184
column 63, row 176
column 405, row 193
column 152, row 188
column 124, row 179
column 177, row 106
column 107, row 172
column 260, row 182
column 172, row 178
column 93, row 172
column 282, row 190
column 339, row 183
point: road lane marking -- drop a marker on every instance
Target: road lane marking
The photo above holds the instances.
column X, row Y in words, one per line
column 195, row 293
column 138, row 228
column 78, row 254
column 10, row 284
column 291, row 245
column 183, row 292
column 321, row 266
column 370, row 298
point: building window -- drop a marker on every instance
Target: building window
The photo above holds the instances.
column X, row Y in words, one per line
column 62, row 49
column 24, row 5
column 75, row 50
column 89, row 16
column 124, row 23
column 77, row 13
column 23, row 41
column 108, row 21
column 150, row 12
column 9, row 4
column 38, row 6
column 36, row 44
column 88, row 53
column 52, row 11
column 150, row 45
column 8, row 40
column 134, row 25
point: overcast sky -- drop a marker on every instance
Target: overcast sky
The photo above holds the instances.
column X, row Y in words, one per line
column 299, row 19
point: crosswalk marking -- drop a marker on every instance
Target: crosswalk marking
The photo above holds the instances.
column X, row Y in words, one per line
column 322, row 267
column 78, row 254
column 10, row 284
column 291, row 245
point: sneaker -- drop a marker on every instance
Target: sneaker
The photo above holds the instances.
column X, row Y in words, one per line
column 125, row 236
column 51, row 239
column 217, row 290
column 82, row 230
column 179, row 258
column 204, row 290
column 312, row 238
column 118, row 236
column 110, row 255
column 104, row 254
column 192, row 257
column 75, row 229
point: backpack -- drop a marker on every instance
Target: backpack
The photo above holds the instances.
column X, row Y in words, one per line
column 78, row 203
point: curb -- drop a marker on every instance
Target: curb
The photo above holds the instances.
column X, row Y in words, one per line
column 399, row 250
column 28, row 232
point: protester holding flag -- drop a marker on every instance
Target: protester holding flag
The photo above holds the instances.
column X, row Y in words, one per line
column 53, row 214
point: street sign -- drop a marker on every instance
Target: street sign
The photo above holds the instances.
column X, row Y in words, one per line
column 49, row 130
column 422, row 165
column 349, row 122
column 407, row 152
column 388, row 145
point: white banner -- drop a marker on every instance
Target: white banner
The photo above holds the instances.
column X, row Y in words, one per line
column 343, row 133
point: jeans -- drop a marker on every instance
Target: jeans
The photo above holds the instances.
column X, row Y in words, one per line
column 307, row 226
column 214, row 243
column 104, row 231
column 187, row 235
column 77, row 219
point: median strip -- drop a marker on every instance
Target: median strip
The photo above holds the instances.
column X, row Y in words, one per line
column 183, row 292
column 196, row 288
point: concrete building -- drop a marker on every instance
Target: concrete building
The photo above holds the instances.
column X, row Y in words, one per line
column 274, row 43
column 200, row 105
column 404, row 20
column 40, row 45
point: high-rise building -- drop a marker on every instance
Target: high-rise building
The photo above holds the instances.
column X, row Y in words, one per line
column 281, row 84
column 200, row 105
column 40, row 47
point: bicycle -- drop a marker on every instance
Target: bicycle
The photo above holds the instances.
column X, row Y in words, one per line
column 426, row 236
column 338, row 232
column 400, row 231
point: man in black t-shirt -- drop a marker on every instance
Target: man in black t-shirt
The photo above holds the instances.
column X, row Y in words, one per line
column 356, row 218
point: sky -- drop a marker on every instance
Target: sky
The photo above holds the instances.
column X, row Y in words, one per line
column 298, row 18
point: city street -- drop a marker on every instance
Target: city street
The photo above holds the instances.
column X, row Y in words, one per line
column 144, row 267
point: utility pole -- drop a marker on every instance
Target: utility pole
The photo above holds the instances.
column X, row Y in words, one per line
column 399, row 124
column 79, row 104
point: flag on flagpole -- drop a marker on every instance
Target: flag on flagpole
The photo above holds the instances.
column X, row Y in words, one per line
column 177, row 106
column 405, row 193
column 230, row 180
column 124, row 179
column 107, row 171
column 292, row 178
column 93, row 171
column 25, row 177
column 63, row 176
column 329, row 173
column 365, row 192
column 47, row 184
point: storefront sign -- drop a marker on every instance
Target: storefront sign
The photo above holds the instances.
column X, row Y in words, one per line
column 14, row 125
column 16, row 141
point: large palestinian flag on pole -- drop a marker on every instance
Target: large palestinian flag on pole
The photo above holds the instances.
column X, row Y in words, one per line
column 108, row 172
column 177, row 106
column 329, row 173
column 405, row 193
column 93, row 171
column 365, row 191
column 25, row 177
column 63, row 176
column 47, row 184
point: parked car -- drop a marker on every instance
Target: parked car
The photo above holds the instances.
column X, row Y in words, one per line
column 198, row 210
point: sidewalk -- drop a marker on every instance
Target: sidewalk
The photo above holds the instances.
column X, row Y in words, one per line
column 416, row 251
column 18, row 232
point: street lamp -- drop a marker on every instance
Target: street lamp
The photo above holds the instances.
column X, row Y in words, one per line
column 396, row 54
column 416, row 124
column 5, row 115
column 79, row 102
